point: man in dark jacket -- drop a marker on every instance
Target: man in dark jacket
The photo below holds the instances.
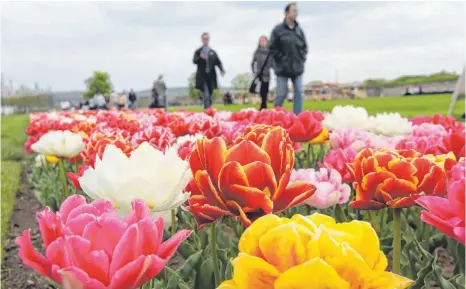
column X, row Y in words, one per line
column 206, row 77
column 132, row 99
column 289, row 49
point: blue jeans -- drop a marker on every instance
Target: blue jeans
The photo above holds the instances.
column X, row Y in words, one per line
column 282, row 91
column 206, row 97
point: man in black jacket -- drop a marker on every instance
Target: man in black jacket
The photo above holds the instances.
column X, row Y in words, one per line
column 289, row 49
column 206, row 77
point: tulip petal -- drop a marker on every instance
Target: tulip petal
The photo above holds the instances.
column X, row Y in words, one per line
column 293, row 195
column 137, row 272
column 208, row 155
column 316, row 272
column 208, row 188
column 169, row 247
column 249, row 242
column 230, row 284
column 261, row 176
column 105, row 233
column 75, row 278
column 203, row 212
column 31, row 257
column 70, row 204
column 247, row 152
column 50, row 226
column 456, row 196
column 284, row 246
column 438, row 206
column 387, row 280
column 76, row 225
column 253, row 273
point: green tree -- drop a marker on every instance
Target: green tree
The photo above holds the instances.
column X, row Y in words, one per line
column 241, row 81
column 192, row 91
column 99, row 82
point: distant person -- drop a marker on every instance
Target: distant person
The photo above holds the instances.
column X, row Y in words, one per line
column 113, row 99
column 206, row 77
column 99, row 100
column 121, row 101
column 259, row 63
column 159, row 90
column 289, row 48
column 132, row 99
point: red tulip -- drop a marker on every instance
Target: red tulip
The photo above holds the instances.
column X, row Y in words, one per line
column 73, row 177
column 91, row 246
column 307, row 126
column 247, row 181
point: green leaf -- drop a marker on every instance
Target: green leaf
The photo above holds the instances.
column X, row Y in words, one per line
column 460, row 281
column 186, row 250
column 183, row 273
column 423, row 274
column 441, row 281
column 229, row 271
column 205, row 276
column 459, row 254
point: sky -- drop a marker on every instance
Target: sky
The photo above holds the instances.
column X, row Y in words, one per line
column 59, row 44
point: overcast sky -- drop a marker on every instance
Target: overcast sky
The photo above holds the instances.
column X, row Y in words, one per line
column 61, row 44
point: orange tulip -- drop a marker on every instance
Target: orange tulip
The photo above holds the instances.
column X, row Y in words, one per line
column 247, row 181
column 394, row 179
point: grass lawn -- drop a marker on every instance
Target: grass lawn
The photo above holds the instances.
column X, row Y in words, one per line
column 13, row 138
column 407, row 106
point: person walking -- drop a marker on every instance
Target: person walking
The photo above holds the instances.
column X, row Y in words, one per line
column 121, row 102
column 206, row 77
column 132, row 99
column 289, row 49
column 159, row 90
column 262, row 62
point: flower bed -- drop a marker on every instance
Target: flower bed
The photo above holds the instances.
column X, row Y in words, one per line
column 248, row 199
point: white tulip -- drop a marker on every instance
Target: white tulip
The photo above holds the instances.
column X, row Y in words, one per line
column 59, row 144
column 148, row 174
column 344, row 117
column 390, row 124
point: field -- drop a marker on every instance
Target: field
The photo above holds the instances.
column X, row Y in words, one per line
column 13, row 138
column 420, row 246
column 406, row 106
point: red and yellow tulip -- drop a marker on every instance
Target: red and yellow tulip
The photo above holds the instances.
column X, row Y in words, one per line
column 247, row 181
column 394, row 179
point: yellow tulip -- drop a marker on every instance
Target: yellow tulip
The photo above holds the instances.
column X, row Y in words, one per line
column 52, row 159
column 311, row 252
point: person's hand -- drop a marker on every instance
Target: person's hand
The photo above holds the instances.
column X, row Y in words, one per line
column 222, row 73
column 203, row 56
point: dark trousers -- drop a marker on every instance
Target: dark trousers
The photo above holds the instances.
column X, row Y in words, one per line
column 264, row 92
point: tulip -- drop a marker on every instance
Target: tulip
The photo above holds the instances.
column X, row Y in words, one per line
column 329, row 188
column 59, row 144
column 307, row 127
column 158, row 136
column 393, row 179
column 74, row 177
column 390, row 124
column 91, row 246
column 148, row 174
column 447, row 214
column 344, row 117
column 311, row 252
column 246, row 181
column 337, row 160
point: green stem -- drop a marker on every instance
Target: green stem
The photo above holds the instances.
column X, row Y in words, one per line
column 64, row 182
column 213, row 249
column 173, row 221
column 396, row 240
column 339, row 214
column 309, row 153
column 382, row 221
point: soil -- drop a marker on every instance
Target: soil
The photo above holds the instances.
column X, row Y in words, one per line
column 14, row 274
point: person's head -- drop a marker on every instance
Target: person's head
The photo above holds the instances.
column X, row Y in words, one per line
column 205, row 39
column 291, row 11
column 131, row 90
column 160, row 77
column 263, row 42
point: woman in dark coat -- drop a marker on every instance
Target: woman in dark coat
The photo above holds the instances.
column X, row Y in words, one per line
column 258, row 60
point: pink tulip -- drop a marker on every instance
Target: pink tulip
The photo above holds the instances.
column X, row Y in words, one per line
column 447, row 214
column 330, row 189
column 91, row 246
column 337, row 159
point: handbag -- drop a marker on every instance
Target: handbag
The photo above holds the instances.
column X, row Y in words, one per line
column 257, row 80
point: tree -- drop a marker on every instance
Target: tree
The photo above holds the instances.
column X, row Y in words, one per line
column 241, row 81
column 99, row 82
column 192, row 91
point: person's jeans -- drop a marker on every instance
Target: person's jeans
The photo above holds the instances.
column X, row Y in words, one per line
column 207, row 97
column 282, row 91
